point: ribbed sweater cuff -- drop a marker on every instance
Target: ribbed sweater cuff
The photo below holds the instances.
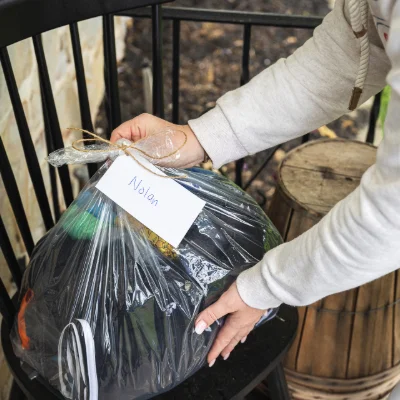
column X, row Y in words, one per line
column 254, row 291
column 217, row 137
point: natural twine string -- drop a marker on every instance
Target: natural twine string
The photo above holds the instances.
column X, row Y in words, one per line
column 125, row 149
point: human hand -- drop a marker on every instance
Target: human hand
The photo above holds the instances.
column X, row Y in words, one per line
column 240, row 322
column 146, row 125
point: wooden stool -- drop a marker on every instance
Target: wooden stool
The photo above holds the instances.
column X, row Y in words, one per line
column 348, row 344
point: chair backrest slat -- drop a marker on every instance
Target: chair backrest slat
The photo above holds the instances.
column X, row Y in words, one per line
column 245, row 77
column 50, row 107
column 84, row 106
column 9, row 255
column 50, row 149
column 113, row 107
column 7, row 308
column 11, row 187
column 158, row 87
column 176, row 36
column 26, row 140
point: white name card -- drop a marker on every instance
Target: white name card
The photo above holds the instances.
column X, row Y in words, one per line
column 161, row 204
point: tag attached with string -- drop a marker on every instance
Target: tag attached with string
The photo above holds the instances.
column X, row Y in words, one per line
column 135, row 184
column 162, row 205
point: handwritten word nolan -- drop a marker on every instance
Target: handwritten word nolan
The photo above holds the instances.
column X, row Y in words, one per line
column 140, row 189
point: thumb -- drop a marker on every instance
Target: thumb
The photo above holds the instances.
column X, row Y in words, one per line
column 207, row 317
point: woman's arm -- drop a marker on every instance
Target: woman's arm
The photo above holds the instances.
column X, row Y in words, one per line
column 357, row 241
column 294, row 96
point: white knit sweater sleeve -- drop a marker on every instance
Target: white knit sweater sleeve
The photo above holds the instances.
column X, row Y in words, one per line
column 357, row 241
column 294, row 96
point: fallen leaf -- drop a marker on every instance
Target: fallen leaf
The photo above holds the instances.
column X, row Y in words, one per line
column 279, row 155
column 326, row 132
column 210, row 74
column 216, row 33
column 348, row 123
column 208, row 165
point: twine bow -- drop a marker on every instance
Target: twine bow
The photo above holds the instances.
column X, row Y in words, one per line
column 125, row 148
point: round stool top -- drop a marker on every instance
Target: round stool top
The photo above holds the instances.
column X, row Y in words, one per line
column 318, row 174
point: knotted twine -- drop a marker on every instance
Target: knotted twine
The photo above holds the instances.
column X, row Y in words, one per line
column 125, row 148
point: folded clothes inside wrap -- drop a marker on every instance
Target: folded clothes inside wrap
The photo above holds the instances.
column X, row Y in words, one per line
column 108, row 307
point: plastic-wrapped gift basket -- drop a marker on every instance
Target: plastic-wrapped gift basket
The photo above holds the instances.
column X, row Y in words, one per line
column 107, row 307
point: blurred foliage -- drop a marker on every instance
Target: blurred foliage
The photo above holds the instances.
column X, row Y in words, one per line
column 384, row 104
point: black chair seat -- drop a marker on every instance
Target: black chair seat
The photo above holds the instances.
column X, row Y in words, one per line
column 234, row 378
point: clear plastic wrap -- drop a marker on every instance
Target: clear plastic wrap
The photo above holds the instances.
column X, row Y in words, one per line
column 163, row 146
column 107, row 307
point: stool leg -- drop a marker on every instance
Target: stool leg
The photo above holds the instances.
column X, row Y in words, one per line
column 16, row 393
column 277, row 384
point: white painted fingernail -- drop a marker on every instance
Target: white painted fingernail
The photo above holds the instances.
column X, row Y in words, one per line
column 200, row 327
column 227, row 356
column 211, row 363
column 243, row 340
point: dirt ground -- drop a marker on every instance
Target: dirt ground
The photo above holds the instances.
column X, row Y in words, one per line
column 211, row 66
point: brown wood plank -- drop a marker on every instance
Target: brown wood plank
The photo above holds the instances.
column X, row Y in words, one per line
column 332, row 338
column 364, row 357
column 382, row 329
column 280, row 212
column 299, row 223
column 359, row 356
column 307, row 346
column 291, row 356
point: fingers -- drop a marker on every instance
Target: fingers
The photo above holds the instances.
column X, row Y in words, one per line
column 223, row 339
column 228, row 303
column 148, row 126
column 207, row 317
column 238, row 324
column 226, row 352
column 228, row 338
column 132, row 130
column 139, row 127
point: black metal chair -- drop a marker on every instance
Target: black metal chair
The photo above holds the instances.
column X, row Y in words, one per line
column 260, row 357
